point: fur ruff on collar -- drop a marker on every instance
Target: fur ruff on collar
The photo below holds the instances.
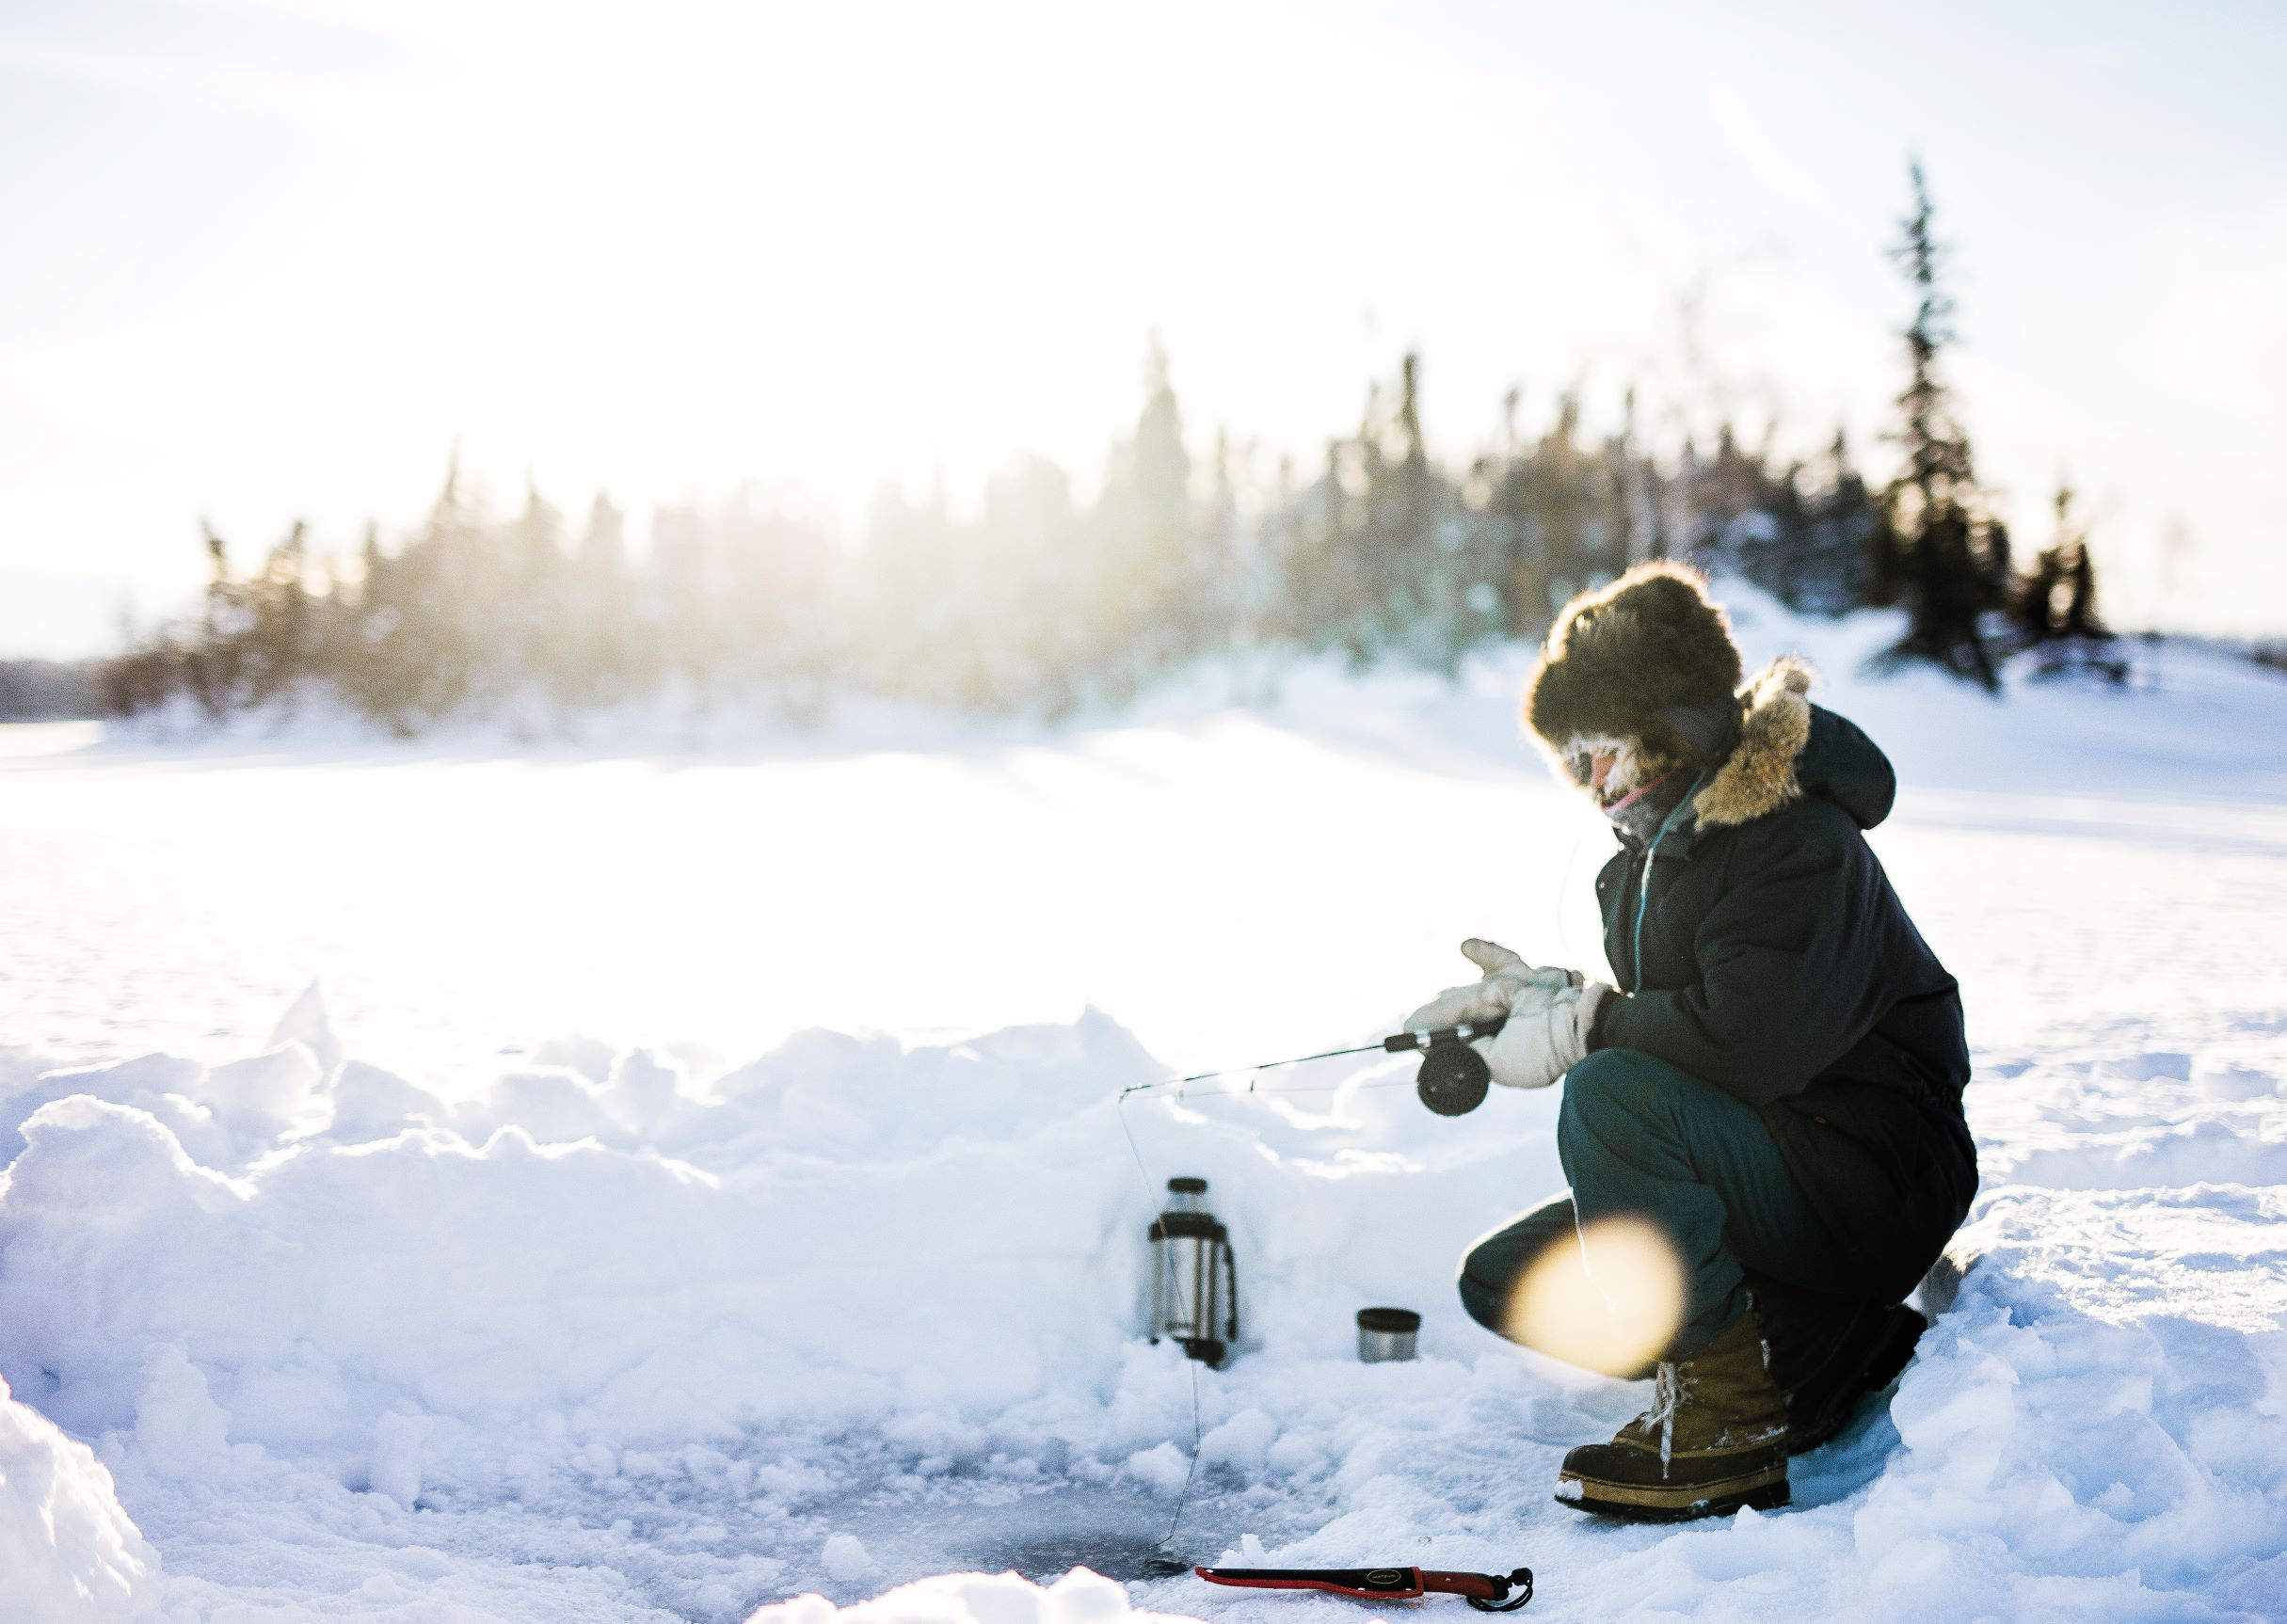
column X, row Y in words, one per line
column 1758, row 776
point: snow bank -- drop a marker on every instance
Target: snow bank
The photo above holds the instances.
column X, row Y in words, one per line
column 67, row 1552
column 605, row 1282
column 807, row 1325
column 567, row 1268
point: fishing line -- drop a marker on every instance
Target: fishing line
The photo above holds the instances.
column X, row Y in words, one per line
column 1234, row 1071
column 1201, row 1096
column 1562, row 919
column 1426, row 1043
column 1151, row 1196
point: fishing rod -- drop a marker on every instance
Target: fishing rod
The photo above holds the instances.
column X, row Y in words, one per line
column 1452, row 1081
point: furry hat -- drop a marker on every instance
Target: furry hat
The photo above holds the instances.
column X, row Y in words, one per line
column 1635, row 659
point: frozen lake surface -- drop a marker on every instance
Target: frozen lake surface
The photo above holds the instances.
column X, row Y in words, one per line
column 1231, row 886
column 723, row 1198
column 458, row 909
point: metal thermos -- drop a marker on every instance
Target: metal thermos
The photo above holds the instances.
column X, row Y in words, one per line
column 1386, row 1333
column 1194, row 1280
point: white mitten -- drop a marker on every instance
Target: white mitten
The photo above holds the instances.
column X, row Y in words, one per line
column 1547, row 1035
column 1507, row 978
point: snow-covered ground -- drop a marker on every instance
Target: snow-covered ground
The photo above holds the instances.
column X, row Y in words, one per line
column 701, row 1182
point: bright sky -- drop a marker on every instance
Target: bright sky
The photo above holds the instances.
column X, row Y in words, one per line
column 267, row 259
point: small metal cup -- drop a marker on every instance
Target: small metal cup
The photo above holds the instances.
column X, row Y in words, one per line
column 1386, row 1333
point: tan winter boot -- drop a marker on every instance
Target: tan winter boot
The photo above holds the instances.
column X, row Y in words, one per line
column 1714, row 1441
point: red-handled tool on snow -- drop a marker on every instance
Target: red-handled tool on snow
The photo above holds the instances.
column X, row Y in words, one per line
column 1486, row 1592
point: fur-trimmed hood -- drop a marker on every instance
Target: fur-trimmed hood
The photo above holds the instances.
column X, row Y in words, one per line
column 1758, row 776
column 1788, row 748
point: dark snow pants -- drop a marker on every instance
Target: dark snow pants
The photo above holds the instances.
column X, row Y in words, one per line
column 1638, row 1139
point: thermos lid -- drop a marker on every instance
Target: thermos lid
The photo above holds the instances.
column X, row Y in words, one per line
column 1398, row 1319
column 1188, row 1186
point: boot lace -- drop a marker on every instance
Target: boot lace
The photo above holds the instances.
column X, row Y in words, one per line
column 1666, row 1397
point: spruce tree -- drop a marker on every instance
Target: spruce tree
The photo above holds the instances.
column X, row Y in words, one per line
column 1147, row 536
column 602, row 619
column 1944, row 546
column 1846, row 534
column 214, row 660
column 1407, row 595
column 278, row 628
column 2054, row 607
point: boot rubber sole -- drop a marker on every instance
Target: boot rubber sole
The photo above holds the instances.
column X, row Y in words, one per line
column 1765, row 1490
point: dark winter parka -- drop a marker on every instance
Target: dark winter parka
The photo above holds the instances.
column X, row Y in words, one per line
column 1778, row 964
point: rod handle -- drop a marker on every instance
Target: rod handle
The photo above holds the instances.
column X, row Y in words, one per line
column 1462, row 1032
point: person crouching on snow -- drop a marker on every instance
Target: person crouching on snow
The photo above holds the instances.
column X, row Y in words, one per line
column 1773, row 1080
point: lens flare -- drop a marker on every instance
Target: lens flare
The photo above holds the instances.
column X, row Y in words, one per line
column 1612, row 1303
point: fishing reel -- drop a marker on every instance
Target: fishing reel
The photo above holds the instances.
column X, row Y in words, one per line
column 1454, row 1077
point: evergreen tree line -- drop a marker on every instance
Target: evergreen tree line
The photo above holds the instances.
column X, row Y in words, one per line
column 49, row 689
column 1042, row 602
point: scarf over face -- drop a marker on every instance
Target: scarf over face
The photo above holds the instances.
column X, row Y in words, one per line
column 1639, row 816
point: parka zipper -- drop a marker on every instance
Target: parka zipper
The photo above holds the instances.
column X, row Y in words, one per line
column 1643, row 880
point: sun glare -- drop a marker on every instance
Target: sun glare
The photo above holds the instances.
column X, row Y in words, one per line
column 1610, row 1303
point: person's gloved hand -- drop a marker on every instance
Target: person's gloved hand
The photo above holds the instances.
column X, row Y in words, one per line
column 1508, row 978
column 1547, row 1036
